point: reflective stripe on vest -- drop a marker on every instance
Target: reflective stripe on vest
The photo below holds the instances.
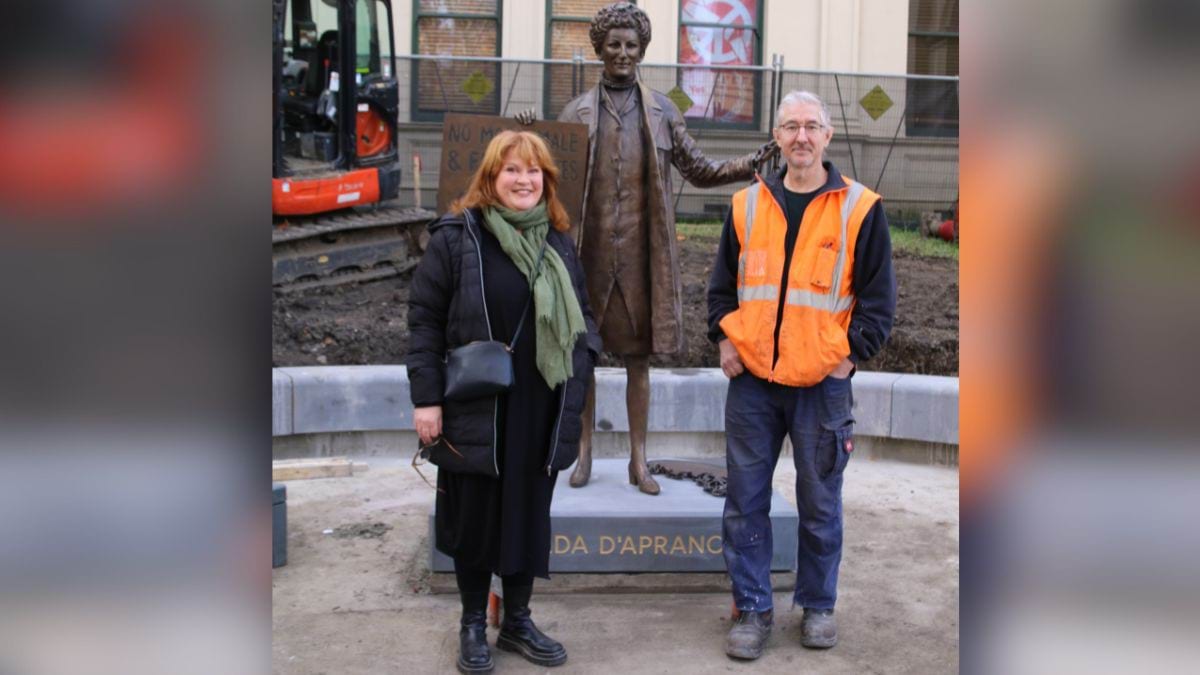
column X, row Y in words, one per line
column 829, row 301
column 764, row 292
column 751, row 204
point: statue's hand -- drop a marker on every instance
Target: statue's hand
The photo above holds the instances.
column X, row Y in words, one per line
column 764, row 155
column 526, row 117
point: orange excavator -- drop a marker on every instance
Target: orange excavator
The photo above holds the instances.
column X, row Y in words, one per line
column 335, row 163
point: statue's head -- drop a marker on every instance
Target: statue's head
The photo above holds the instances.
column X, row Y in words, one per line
column 620, row 33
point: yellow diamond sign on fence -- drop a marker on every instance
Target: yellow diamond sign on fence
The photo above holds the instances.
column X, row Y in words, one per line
column 876, row 102
column 477, row 86
column 681, row 100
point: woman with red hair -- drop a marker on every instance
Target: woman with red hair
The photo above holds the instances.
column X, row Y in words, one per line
column 500, row 264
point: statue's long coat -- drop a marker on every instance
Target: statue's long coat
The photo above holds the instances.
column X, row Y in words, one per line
column 673, row 145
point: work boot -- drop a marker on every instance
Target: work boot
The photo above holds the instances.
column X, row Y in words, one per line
column 518, row 634
column 818, row 629
column 749, row 635
column 473, row 653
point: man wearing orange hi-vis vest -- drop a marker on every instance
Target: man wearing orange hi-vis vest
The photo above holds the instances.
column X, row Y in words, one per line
column 801, row 291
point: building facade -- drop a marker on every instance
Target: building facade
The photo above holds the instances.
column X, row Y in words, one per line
column 895, row 132
column 844, row 35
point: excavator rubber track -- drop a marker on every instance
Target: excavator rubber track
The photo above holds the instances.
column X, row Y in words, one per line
column 350, row 246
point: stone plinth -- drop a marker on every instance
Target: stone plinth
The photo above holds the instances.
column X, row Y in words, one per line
column 608, row 526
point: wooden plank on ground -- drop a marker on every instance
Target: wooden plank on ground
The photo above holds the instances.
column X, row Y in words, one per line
column 319, row 467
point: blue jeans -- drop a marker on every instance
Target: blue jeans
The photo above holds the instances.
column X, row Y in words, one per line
column 818, row 420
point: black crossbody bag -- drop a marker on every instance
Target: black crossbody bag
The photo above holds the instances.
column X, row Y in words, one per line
column 484, row 367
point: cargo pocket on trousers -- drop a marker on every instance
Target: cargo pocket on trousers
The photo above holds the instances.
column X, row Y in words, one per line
column 837, row 444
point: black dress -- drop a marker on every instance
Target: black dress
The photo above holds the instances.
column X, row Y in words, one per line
column 503, row 524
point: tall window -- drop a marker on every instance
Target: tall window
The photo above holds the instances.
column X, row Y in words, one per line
column 932, row 50
column 720, row 33
column 456, row 28
column 567, row 26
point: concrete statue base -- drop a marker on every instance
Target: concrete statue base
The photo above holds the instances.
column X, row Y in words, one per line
column 608, row 526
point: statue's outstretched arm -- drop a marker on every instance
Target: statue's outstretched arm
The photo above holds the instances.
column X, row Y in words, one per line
column 704, row 172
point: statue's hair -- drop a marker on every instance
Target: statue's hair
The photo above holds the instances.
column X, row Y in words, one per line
column 619, row 15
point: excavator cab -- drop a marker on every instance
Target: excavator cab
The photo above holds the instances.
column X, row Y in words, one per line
column 335, row 168
column 335, row 105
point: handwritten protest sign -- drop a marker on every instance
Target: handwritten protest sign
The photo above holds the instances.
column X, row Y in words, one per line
column 465, row 138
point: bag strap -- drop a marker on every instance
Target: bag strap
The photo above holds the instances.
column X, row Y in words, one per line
column 537, row 268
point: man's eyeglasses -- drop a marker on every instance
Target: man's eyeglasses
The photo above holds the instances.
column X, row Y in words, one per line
column 790, row 130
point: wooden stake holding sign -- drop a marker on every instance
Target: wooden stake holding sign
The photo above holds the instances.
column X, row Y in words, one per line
column 417, row 181
column 466, row 137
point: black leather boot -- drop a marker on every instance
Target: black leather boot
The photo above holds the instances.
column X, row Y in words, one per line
column 518, row 634
column 473, row 653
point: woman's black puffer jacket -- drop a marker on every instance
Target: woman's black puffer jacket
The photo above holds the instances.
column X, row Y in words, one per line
column 446, row 310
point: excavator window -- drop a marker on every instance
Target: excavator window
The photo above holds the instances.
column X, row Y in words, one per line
column 374, row 39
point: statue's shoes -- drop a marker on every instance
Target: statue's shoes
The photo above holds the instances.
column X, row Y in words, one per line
column 646, row 483
column 580, row 476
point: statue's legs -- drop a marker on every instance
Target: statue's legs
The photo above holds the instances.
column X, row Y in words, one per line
column 637, row 405
column 583, row 468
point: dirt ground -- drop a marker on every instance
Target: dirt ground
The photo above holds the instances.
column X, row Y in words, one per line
column 356, row 595
column 366, row 323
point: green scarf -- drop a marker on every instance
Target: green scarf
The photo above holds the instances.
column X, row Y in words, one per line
column 557, row 316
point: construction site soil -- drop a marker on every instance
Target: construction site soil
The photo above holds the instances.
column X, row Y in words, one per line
column 367, row 323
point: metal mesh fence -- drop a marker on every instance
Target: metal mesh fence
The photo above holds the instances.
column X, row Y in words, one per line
column 897, row 134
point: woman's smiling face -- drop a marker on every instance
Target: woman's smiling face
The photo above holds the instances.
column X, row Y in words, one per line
column 519, row 184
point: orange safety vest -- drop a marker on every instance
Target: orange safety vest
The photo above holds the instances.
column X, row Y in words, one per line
column 819, row 297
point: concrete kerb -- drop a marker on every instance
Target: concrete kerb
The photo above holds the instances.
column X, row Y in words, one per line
column 873, row 403
column 684, row 399
column 925, row 408
column 281, row 402
column 349, row 402
column 350, row 398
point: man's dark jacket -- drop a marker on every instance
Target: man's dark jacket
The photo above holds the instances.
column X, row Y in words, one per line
column 446, row 310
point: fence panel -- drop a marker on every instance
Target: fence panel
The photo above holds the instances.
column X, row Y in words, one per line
column 897, row 134
column 880, row 142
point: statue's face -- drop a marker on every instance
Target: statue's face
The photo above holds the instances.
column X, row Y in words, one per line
column 621, row 52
